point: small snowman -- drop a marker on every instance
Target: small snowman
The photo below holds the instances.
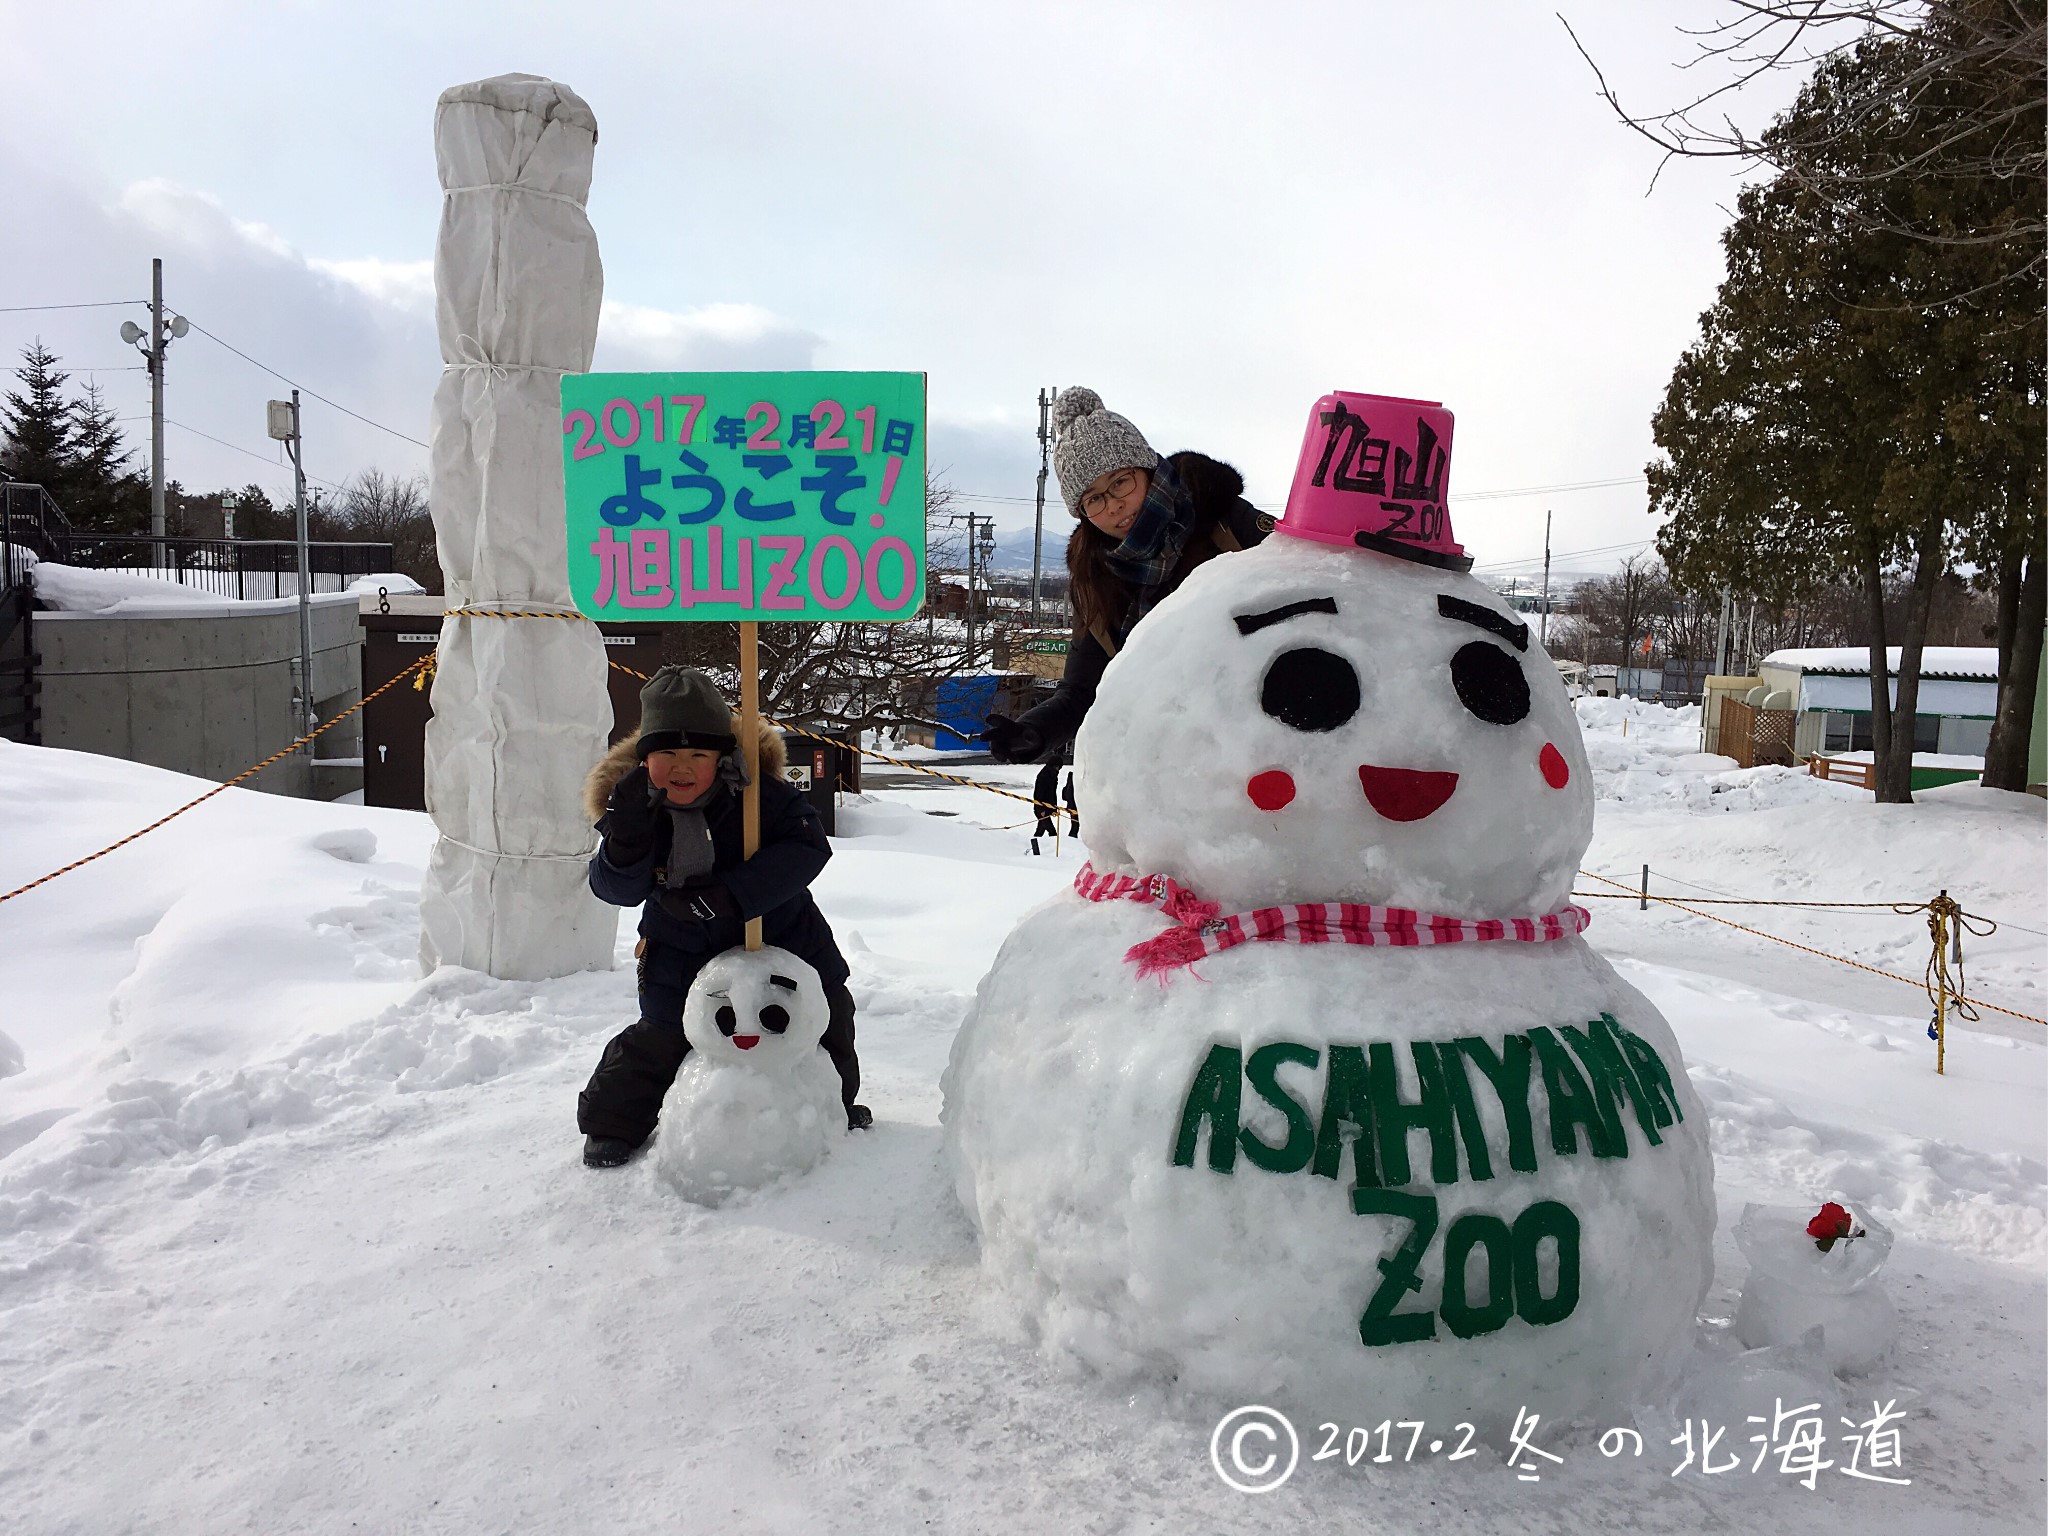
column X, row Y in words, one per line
column 1310, row 1092
column 757, row 1099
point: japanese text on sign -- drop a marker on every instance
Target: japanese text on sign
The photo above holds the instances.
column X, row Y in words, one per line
column 727, row 496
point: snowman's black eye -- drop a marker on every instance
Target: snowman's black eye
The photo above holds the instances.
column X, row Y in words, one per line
column 1310, row 689
column 1490, row 683
column 728, row 1021
column 775, row 1018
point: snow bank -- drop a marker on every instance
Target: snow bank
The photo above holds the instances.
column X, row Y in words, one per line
column 78, row 589
column 409, row 1262
column 1646, row 754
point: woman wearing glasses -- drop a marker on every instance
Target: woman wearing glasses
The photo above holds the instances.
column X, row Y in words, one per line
column 1144, row 523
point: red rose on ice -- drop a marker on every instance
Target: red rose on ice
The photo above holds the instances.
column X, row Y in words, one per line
column 1833, row 1222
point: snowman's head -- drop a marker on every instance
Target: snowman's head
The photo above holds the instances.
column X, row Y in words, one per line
column 760, row 1008
column 1303, row 722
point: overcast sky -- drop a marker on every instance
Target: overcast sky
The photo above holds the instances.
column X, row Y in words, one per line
column 1210, row 213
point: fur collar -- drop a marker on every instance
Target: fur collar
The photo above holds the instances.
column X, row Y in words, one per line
column 622, row 760
column 1213, row 483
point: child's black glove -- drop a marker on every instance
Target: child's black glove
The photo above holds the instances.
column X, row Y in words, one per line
column 1012, row 741
column 630, row 818
column 704, row 905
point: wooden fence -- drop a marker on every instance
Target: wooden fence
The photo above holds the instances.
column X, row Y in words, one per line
column 1755, row 736
column 1862, row 775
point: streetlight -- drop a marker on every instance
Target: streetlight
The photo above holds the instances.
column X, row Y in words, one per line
column 152, row 344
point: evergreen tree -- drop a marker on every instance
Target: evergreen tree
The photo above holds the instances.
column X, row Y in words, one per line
column 38, row 423
column 1863, row 402
column 104, row 493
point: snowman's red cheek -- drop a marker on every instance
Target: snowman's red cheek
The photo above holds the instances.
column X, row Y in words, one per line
column 1272, row 790
column 1556, row 771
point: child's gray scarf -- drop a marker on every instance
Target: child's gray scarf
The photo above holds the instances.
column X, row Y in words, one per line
column 690, row 852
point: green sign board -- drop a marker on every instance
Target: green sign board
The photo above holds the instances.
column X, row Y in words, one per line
column 701, row 497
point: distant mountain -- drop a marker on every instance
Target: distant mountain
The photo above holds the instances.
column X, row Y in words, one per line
column 1013, row 547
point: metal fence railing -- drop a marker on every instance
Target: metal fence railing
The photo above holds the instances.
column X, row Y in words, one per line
column 242, row 568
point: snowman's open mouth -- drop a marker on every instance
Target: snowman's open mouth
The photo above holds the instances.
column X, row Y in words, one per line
column 1405, row 794
column 746, row 1042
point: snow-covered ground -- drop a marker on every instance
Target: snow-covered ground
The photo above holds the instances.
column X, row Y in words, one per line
column 293, row 1240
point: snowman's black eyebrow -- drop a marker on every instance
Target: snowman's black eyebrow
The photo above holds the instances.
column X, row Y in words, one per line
column 1516, row 634
column 1252, row 623
column 782, row 981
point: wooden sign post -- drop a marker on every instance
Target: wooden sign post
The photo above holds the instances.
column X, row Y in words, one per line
column 741, row 497
column 750, row 744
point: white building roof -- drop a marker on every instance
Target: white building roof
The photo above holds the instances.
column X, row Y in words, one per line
column 1958, row 661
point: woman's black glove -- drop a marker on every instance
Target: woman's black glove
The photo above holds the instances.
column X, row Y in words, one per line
column 1012, row 741
column 630, row 818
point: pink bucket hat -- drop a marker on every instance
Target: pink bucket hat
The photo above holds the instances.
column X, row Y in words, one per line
column 1374, row 473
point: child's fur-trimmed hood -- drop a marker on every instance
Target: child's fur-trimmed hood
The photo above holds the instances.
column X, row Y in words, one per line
column 623, row 759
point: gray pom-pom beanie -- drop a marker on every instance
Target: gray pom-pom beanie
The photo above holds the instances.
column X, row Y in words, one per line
column 1090, row 441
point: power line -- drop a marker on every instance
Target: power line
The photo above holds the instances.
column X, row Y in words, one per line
column 25, row 309
column 1568, row 554
column 238, row 448
column 1546, row 490
column 303, row 389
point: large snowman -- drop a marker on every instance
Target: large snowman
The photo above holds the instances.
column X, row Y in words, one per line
column 1310, row 1091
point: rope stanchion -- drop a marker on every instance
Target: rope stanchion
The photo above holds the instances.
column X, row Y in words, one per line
column 1947, row 922
column 1903, row 908
column 246, row 773
column 1632, row 894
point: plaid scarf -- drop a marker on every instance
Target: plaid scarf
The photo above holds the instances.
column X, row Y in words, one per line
column 1151, row 550
column 1202, row 930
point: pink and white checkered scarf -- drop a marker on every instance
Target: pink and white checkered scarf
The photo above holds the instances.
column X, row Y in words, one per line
column 1202, row 930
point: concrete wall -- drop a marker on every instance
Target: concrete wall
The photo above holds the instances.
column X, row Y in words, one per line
column 206, row 694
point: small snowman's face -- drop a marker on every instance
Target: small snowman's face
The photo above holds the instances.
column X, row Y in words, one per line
column 1305, row 723
column 762, row 1008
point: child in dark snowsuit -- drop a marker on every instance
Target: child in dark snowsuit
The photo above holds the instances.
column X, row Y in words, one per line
column 667, row 802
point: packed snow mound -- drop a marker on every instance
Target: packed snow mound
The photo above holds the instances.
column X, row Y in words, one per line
column 1645, row 754
column 757, row 1099
column 1303, row 723
column 1256, row 1182
column 77, row 589
column 148, row 594
column 393, row 583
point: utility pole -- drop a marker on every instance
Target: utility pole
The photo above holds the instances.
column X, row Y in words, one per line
column 156, row 397
column 1543, row 636
column 977, row 525
column 1045, row 398
column 284, row 426
column 162, row 333
column 971, row 645
column 1721, row 634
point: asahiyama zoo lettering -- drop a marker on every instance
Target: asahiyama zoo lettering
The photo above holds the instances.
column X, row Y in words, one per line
column 1587, row 1076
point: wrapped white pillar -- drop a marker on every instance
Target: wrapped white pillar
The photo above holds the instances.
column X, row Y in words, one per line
column 520, row 708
